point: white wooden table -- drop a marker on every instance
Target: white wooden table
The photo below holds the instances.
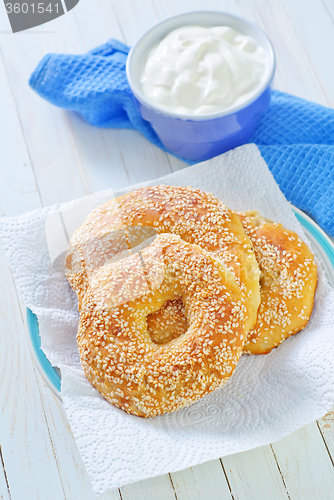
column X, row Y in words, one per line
column 48, row 156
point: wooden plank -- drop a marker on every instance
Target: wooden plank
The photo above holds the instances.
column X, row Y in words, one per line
column 134, row 18
column 24, row 434
column 305, row 464
column 254, row 474
column 326, row 427
column 97, row 152
column 143, row 161
column 296, row 73
column 156, row 487
column 20, row 193
column 329, row 8
column 44, row 126
column 98, row 155
column 4, row 486
column 75, row 480
column 314, row 29
column 202, row 482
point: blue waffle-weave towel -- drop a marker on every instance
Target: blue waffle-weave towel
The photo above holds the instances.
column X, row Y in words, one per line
column 295, row 137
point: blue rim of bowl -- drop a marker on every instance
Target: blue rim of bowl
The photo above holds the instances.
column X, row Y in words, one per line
column 51, row 374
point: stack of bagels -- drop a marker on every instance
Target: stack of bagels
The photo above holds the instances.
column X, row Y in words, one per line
column 173, row 287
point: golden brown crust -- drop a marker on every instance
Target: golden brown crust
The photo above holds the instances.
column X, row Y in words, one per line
column 116, row 351
column 288, row 283
column 197, row 217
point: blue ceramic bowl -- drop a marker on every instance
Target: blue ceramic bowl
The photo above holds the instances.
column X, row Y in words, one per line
column 195, row 137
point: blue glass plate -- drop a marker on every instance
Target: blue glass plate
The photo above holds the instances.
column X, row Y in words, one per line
column 322, row 247
column 50, row 374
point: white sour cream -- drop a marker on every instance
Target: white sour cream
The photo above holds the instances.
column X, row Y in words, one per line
column 196, row 70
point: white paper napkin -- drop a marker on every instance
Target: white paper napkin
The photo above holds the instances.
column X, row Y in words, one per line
column 266, row 398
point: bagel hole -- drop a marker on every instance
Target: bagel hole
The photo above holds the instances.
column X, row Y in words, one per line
column 168, row 322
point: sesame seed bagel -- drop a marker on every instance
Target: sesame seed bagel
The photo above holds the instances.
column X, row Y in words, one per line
column 288, row 283
column 197, row 217
column 117, row 353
